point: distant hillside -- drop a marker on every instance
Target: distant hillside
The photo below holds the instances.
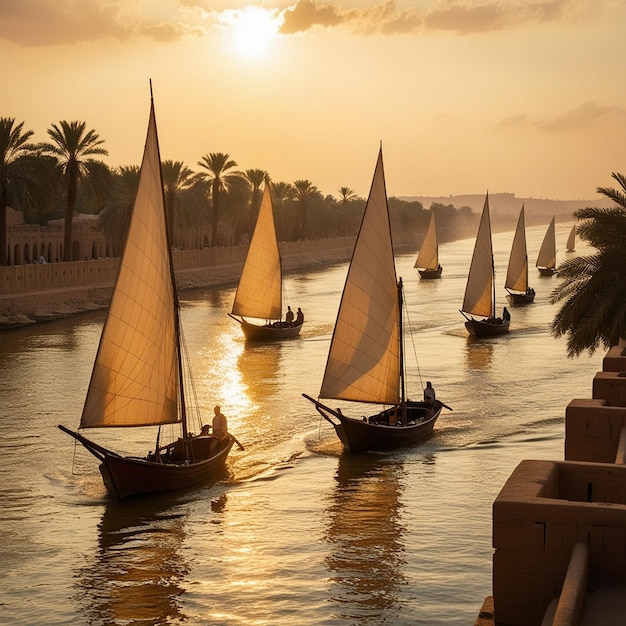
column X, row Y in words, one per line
column 504, row 207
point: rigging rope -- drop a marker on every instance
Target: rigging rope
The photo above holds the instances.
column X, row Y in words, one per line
column 408, row 323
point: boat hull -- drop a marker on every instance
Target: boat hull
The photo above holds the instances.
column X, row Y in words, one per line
column 376, row 434
column 520, row 298
column 269, row 332
column 129, row 476
column 487, row 327
column 547, row 271
column 430, row 274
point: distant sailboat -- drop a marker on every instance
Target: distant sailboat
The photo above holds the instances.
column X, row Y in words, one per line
column 546, row 260
column 517, row 274
column 366, row 357
column 140, row 372
column 570, row 246
column 480, row 291
column 260, row 291
column 427, row 262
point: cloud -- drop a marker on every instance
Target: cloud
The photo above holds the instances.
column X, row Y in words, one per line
column 66, row 22
column 306, row 14
column 515, row 121
column 462, row 17
column 586, row 115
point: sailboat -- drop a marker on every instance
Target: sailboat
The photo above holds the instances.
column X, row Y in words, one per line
column 140, row 373
column 570, row 246
column 260, row 291
column 480, row 291
column 546, row 260
column 517, row 274
column 427, row 262
column 366, row 357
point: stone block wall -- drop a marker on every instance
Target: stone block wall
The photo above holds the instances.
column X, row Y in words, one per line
column 544, row 509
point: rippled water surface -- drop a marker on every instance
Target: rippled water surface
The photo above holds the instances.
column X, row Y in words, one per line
column 296, row 532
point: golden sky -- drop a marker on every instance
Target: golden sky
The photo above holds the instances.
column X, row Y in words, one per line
column 520, row 96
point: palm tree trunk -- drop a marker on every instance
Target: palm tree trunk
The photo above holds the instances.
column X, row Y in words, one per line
column 69, row 215
column 216, row 203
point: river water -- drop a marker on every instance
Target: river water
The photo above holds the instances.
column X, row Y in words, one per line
column 297, row 532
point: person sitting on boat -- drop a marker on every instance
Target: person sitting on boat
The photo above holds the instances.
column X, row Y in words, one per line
column 429, row 393
column 289, row 316
column 299, row 317
column 505, row 314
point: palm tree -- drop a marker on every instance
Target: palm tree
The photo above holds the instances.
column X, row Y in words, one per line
column 281, row 193
column 593, row 287
column 72, row 146
column 115, row 215
column 345, row 195
column 304, row 189
column 17, row 176
column 255, row 177
column 177, row 177
column 217, row 165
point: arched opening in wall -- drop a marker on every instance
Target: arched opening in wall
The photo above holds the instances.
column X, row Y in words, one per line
column 35, row 254
column 26, row 253
column 94, row 250
column 9, row 260
column 49, row 255
column 76, row 254
column 107, row 254
column 17, row 256
column 205, row 241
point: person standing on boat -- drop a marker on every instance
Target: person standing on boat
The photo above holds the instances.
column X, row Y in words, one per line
column 289, row 316
column 220, row 425
column 299, row 317
column 429, row 393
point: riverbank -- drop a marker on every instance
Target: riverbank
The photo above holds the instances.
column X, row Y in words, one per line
column 42, row 305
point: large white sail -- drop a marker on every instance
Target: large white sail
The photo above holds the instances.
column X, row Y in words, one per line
column 479, row 295
column 547, row 252
column 259, row 293
column 364, row 358
column 517, row 273
column 428, row 256
column 134, row 381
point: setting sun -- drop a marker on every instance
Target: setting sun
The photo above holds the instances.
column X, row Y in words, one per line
column 252, row 29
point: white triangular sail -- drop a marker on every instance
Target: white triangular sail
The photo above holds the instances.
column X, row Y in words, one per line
column 135, row 377
column 259, row 293
column 547, row 252
column 364, row 357
column 479, row 292
column 428, row 256
column 571, row 240
column 517, row 273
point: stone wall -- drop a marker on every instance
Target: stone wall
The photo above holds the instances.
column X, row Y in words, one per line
column 36, row 277
column 40, row 292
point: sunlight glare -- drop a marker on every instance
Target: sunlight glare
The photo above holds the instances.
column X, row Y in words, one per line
column 251, row 29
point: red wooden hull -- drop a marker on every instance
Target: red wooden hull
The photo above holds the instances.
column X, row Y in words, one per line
column 376, row 433
column 547, row 271
column 269, row 332
column 520, row 298
column 128, row 476
column 429, row 274
column 487, row 328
